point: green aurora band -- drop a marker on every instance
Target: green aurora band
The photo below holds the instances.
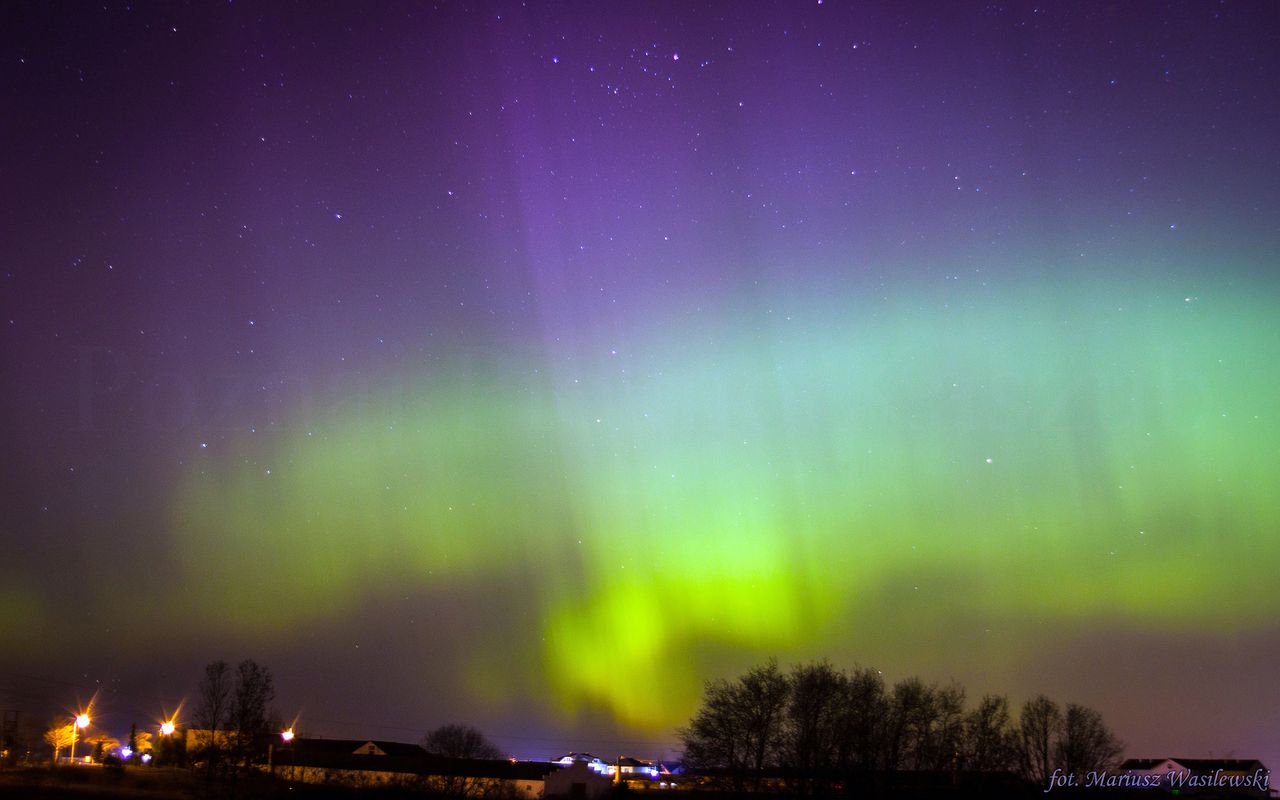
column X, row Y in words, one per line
column 749, row 479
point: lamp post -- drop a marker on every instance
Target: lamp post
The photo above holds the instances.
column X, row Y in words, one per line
column 286, row 736
column 166, row 740
column 81, row 722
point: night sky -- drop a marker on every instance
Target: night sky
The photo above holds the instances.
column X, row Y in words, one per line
column 528, row 366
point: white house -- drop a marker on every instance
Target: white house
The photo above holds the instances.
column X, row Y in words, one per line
column 578, row 781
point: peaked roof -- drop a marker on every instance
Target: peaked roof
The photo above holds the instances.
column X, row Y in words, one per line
column 1224, row 764
column 353, row 746
column 1197, row 764
column 1142, row 763
column 628, row 761
column 351, row 754
column 577, row 757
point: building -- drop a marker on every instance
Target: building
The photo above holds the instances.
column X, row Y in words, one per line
column 629, row 767
column 346, row 761
column 1202, row 777
column 577, row 781
column 366, row 763
column 625, row 766
column 595, row 763
column 197, row 739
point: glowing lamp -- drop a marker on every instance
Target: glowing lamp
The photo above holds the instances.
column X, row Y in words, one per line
column 80, row 723
column 287, row 734
column 167, row 728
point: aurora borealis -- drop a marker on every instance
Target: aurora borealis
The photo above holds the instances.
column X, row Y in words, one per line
column 529, row 367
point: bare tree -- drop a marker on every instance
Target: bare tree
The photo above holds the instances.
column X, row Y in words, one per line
column 59, row 735
column 859, row 746
column 713, row 739
column 461, row 742
column 1039, row 728
column 818, row 723
column 212, row 714
column 908, row 725
column 738, row 728
column 248, row 718
column 946, row 733
column 812, row 724
column 762, row 699
column 1086, row 743
column 988, row 736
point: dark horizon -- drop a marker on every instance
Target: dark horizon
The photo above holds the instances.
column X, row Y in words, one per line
column 530, row 367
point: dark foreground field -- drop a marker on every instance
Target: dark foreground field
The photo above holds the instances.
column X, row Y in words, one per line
column 100, row 783
column 85, row 783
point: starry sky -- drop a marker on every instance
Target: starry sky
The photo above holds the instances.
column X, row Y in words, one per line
column 528, row 365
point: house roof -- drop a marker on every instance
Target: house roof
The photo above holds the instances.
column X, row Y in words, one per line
column 1141, row 763
column 488, row 768
column 351, row 746
column 1224, row 764
column 350, row 754
column 577, row 757
column 1197, row 764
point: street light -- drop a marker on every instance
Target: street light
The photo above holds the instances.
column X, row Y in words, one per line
column 167, row 729
column 81, row 722
column 286, row 738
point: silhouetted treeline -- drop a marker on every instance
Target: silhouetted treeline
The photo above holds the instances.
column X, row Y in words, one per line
column 232, row 720
column 818, row 728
